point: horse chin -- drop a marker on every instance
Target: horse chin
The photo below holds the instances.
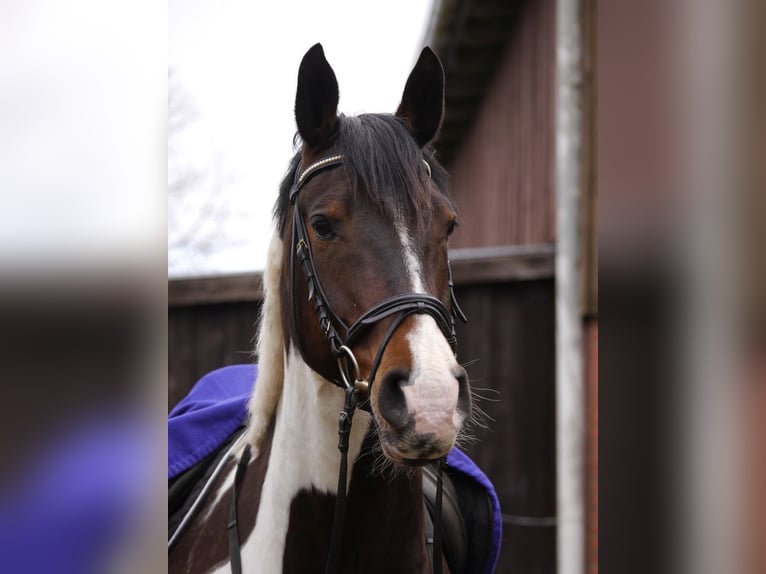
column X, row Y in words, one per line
column 427, row 453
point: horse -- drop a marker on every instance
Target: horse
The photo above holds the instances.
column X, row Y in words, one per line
column 358, row 320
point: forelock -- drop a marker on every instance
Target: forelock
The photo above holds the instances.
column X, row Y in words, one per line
column 381, row 161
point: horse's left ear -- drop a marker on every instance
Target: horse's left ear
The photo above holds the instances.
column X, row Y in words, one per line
column 316, row 101
column 422, row 104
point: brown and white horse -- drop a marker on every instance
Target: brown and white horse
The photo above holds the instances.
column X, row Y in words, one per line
column 376, row 228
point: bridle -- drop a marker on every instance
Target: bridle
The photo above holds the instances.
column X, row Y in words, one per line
column 401, row 305
column 349, row 378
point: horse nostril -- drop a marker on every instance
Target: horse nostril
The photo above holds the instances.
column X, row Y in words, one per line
column 464, row 390
column 391, row 401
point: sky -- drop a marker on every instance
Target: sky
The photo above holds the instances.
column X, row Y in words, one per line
column 232, row 69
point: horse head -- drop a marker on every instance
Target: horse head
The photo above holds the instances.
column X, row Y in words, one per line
column 365, row 210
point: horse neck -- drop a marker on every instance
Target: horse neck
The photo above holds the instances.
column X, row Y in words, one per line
column 303, row 458
column 384, row 511
column 306, row 435
column 385, row 529
column 384, row 521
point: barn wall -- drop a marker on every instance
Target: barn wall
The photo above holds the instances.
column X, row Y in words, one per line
column 503, row 182
column 508, row 350
column 503, row 171
column 205, row 337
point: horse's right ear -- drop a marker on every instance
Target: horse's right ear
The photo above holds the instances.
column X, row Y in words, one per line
column 422, row 104
column 316, row 102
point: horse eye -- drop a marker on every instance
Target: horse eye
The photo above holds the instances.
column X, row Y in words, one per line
column 451, row 227
column 322, row 228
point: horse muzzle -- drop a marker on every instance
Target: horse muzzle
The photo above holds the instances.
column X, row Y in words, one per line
column 420, row 417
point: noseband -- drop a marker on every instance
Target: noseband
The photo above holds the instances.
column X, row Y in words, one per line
column 349, row 378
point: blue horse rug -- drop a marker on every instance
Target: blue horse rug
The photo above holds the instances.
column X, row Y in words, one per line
column 217, row 406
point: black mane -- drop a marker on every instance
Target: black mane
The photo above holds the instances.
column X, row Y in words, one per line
column 382, row 160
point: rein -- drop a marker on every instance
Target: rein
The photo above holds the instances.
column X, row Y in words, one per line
column 349, row 379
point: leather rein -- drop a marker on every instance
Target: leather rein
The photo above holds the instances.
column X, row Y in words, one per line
column 349, row 378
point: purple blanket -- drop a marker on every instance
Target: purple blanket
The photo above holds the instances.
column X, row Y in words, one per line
column 217, row 405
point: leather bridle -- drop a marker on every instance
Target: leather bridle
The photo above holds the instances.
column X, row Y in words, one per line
column 400, row 305
column 349, row 378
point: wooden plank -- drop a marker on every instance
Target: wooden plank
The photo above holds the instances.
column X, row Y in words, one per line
column 502, row 264
column 219, row 289
column 469, row 266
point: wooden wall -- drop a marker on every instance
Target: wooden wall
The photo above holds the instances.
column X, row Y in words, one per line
column 204, row 337
column 503, row 182
column 508, row 348
column 503, row 171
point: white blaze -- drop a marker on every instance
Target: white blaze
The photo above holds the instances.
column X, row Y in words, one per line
column 433, row 394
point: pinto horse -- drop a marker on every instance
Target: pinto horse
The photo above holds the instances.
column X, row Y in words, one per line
column 358, row 317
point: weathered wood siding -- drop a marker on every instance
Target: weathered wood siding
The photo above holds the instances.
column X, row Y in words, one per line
column 202, row 338
column 508, row 348
column 503, row 170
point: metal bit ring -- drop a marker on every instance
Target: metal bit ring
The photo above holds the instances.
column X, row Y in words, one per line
column 349, row 356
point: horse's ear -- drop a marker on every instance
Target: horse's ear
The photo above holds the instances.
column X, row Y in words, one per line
column 422, row 104
column 316, row 102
